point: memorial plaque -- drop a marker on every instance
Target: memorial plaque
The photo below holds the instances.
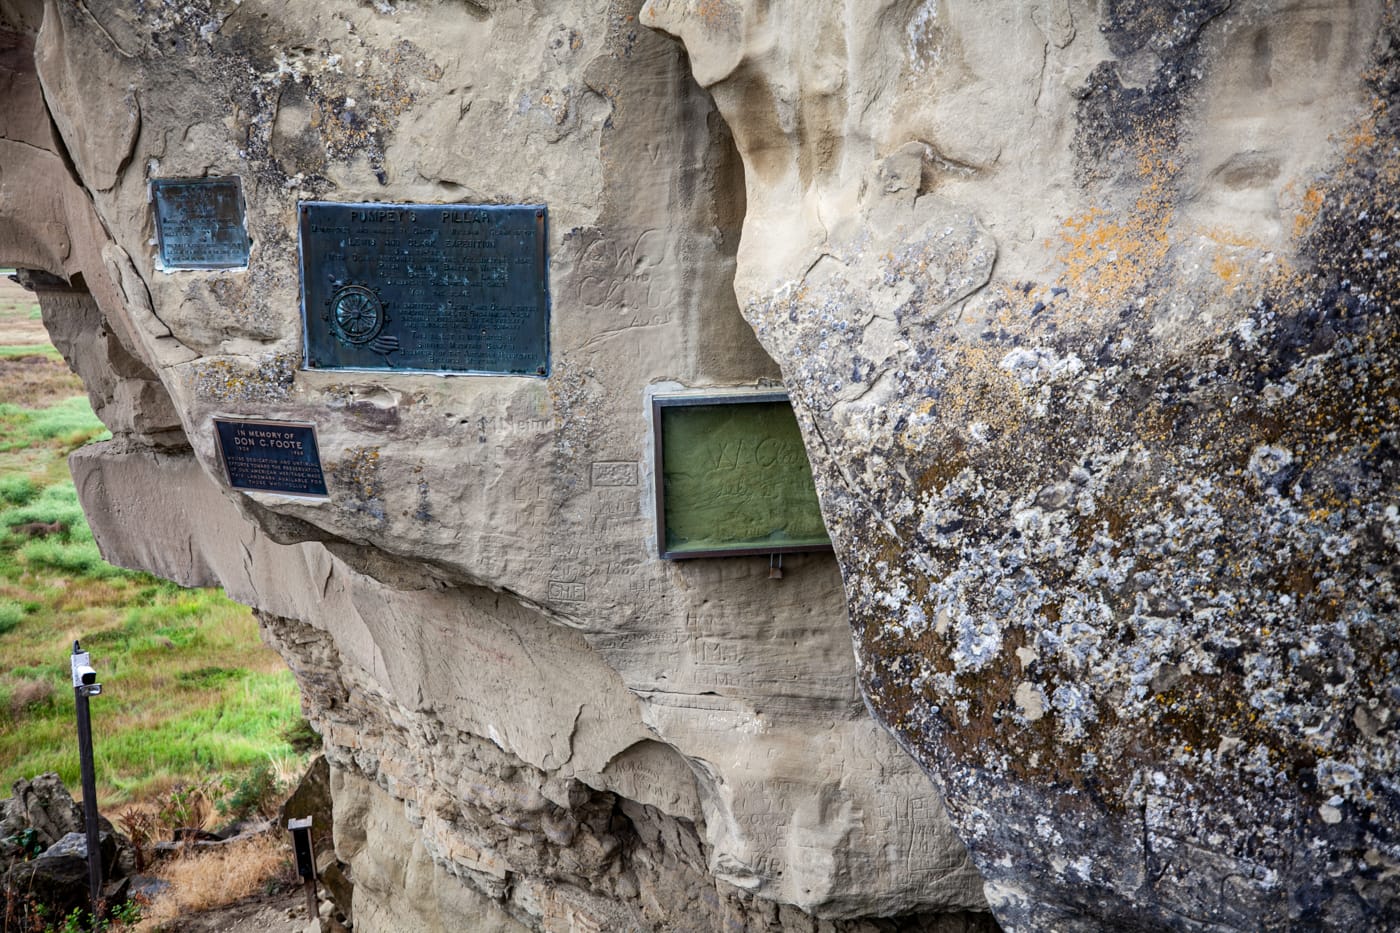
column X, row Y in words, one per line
column 272, row 456
column 440, row 288
column 732, row 477
column 199, row 222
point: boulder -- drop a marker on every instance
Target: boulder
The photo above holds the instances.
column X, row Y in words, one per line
column 44, row 805
column 59, row 885
column 75, row 844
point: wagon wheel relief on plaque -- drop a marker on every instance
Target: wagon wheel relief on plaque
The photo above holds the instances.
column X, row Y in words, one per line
column 357, row 318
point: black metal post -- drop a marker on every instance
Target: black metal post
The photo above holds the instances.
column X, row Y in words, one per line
column 85, row 686
column 306, row 861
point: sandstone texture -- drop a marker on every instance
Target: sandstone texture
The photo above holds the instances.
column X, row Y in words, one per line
column 530, row 719
column 1086, row 310
column 1089, row 311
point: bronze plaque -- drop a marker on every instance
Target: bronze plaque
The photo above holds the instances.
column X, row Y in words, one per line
column 439, row 288
column 199, row 222
column 272, row 456
column 732, row 477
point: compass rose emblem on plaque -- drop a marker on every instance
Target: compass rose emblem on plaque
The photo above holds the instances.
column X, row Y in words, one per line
column 356, row 315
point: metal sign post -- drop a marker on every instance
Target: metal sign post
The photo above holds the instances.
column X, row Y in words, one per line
column 306, row 861
column 85, row 685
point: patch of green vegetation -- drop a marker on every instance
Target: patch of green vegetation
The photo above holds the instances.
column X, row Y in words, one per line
column 70, row 418
column 20, row 350
column 56, row 503
column 301, row 737
column 17, row 490
column 76, row 557
column 189, row 690
column 11, row 614
column 206, row 677
column 70, row 421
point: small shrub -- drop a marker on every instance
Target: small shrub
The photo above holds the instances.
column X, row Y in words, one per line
column 71, row 419
column 180, row 636
column 28, row 841
column 29, row 695
column 259, row 792
column 11, row 614
column 207, row 677
column 125, row 916
column 114, row 639
column 139, row 826
column 301, row 737
column 79, row 558
column 189, row 805
column 17, row 490
column 56, row 503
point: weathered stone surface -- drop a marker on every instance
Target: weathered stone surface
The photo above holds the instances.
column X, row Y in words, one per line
column 1086, row 313
column 75, row 844
column 42, row 804
column 1089, row 312
column 485, row 810
column 44, row 887
column 480, row 583
column 311, row 798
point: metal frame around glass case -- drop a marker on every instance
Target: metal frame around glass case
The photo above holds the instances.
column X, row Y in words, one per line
column 658, row 404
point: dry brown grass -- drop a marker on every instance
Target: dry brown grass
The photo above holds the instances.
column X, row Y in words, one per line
column 204, row 880
column 28, row 694
column 37, row 380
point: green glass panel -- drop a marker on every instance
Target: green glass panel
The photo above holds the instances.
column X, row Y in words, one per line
column 736, row 476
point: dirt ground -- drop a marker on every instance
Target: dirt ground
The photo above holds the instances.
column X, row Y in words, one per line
column 264, row 913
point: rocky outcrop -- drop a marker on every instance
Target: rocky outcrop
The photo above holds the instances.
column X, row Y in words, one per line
column 530, row 718
column 1085, row 310
column 1089, row 313
column 43, row 855
column 38, row 814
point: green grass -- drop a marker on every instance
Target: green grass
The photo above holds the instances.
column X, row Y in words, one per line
column 11, row 613
column 15, row 351
column 17, row 490
column 70, row 421
column 189, row 690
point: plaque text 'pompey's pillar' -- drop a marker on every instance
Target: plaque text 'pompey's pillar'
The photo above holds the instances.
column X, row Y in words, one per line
column 439, row 288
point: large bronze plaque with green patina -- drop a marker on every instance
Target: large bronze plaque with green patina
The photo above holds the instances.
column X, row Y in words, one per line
column 732, row 477
column 437, row 288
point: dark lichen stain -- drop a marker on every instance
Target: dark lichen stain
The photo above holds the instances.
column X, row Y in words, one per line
column 357, row 483
column 1111, row 117
column 1189, row 551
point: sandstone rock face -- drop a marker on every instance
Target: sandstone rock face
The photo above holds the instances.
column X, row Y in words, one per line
column 1086, row 311
column 531, row 720
column 1089, row 311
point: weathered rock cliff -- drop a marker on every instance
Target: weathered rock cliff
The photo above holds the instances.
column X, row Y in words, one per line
column 1086, row 310
column 531, row 719
column 1090, row 311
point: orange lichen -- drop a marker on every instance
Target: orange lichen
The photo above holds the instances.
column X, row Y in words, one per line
column 1307, row 213
column 1227, row 268
column 1113, row 256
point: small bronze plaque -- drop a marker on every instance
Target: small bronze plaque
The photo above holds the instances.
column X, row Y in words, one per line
column 441, row 288
column 199, row 222
column 732, row 477
column 273, row 456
